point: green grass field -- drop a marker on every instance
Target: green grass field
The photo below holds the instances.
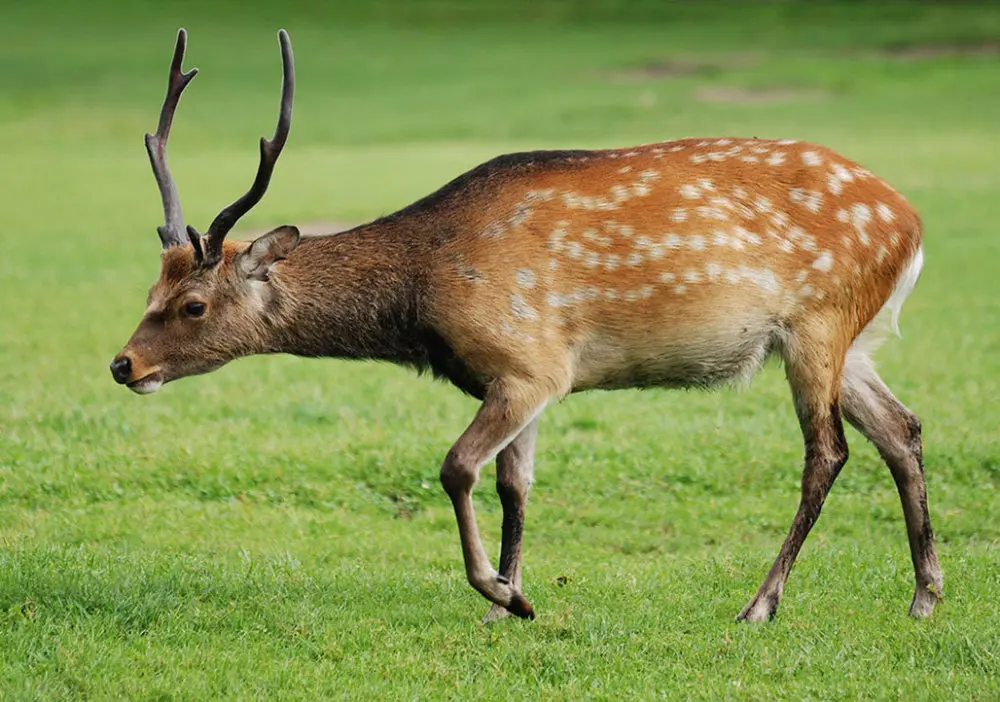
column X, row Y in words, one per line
column 277, row 530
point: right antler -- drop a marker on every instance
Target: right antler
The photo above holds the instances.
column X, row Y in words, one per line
column 270, row 149
column 172, row 232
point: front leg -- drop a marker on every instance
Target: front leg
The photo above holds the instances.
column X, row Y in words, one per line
column 515, row 472
column 509, row 408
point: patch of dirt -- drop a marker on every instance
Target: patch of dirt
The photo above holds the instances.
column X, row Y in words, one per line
column 743, row 94
column 923, row 52
column 679, row 67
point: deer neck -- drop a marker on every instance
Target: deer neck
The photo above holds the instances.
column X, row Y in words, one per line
column 350, row 295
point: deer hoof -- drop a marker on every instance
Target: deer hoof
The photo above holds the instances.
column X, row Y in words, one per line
column 759, row 609
column 520, row 607
column 496, row 613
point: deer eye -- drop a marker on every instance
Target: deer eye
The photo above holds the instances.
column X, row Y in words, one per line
column 194, row 308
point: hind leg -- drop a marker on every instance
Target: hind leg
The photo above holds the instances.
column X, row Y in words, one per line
column 895, row 431
column 813, row 368
column 515, row 472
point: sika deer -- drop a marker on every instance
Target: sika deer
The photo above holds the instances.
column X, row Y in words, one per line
column 540, row 274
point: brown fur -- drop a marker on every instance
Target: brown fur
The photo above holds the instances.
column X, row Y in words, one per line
column 536, row 275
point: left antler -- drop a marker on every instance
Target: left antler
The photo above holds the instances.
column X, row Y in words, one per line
column 172, row 230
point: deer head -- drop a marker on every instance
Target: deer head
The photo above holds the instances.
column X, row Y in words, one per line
column 209, row 304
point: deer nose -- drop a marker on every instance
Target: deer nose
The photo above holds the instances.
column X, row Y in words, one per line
column 121, row 369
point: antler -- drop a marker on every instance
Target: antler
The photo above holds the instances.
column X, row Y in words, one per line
column 172, row 231
column 269, row 152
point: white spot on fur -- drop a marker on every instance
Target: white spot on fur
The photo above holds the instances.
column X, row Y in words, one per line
column 521, row 309
column 689, row 191
column 680, row 289
column 525, row 278
column 861, row 215
column 679, row 215
column 713, row 271
column 763, row 278
column 776, row 159
column 696, row 242
column 672, row 241
column 812, row 200
column 811, row 158
column 611, row 262
column 668, row 277
column 824, row 262
column 746, row 235
column 633, row 259
column 712, row 213
column 885, row 213
column 692, row 277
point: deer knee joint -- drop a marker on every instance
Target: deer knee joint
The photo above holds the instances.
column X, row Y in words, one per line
column 513, row 484
column 458, row 474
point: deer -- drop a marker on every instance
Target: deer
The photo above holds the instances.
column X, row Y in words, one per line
column 536, row 275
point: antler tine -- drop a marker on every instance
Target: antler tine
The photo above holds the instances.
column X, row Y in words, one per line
column 172, row 231
column 269, row 152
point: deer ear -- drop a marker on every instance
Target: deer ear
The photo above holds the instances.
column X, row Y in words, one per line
column 264, row 252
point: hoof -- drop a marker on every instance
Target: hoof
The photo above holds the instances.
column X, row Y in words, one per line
column 924, row 600
column 520, row 607
column 759, row 609
column 496, row 613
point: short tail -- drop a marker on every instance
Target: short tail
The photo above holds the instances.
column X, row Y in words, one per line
column 887, row 319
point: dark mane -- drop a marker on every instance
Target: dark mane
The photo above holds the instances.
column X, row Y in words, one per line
column 505, row 165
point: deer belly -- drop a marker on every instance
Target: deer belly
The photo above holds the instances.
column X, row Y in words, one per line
column 676, row 356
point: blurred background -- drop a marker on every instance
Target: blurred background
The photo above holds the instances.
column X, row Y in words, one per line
column 278, row 525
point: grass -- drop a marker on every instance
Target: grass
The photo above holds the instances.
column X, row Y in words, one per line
column 276, row 529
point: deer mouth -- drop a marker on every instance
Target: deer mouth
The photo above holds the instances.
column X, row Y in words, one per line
column 146, row 385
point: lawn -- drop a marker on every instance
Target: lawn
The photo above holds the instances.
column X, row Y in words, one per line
column 277, row 530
